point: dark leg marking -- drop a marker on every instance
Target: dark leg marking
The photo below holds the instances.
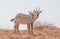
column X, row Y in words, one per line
column 32, row 28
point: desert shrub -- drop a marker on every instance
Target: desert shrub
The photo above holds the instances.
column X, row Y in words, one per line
column 41, row 26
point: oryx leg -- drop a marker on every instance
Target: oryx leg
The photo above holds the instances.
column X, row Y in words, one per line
column 16, row 28
column 32, row 28
column 28, row 28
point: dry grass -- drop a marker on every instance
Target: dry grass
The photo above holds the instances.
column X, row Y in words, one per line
column 39, row 27
column 45, row 32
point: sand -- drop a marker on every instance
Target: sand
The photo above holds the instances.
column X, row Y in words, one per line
column 44, row 33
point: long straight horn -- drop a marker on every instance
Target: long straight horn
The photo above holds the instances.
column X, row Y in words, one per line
column 39, row 9
column 36, row 9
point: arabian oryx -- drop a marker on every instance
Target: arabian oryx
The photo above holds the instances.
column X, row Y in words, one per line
column 29, row 19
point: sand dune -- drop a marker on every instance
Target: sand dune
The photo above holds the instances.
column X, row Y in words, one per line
column 44, row 33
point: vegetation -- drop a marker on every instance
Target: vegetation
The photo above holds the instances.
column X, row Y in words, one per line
column 41, row 26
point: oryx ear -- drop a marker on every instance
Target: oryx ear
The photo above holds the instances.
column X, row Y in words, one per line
column 41, row 11
column 30, row 13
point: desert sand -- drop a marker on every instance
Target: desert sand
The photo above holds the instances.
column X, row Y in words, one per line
column 47, row 32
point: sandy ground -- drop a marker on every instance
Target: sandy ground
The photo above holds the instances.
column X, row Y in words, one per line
column 44, row 33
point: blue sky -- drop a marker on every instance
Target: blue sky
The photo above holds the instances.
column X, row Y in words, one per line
column 9, row 8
